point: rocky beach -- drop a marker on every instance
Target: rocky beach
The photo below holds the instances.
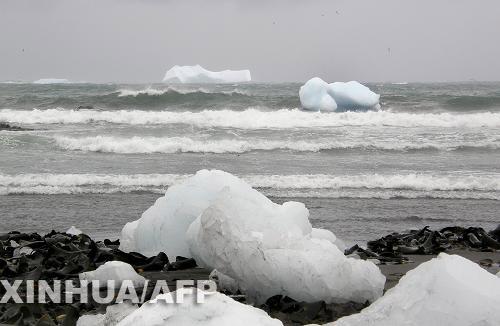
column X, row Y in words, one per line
column 63, row 256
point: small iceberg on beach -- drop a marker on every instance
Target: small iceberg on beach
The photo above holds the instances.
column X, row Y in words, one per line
column 267, row 248
column 318, row 95
column 114, row 314
column 447, row 290
column 217, row 309
column 114, row 271
column 74, row 231
column 47, row 81
column 198, row 74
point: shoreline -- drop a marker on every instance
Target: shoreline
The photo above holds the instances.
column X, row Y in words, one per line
column 289, row 311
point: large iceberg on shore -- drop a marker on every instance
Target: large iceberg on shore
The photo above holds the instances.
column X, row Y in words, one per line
column 217, row 309
column 267, row 248
column 198, row 74
column 318, row 95
column 447, row 290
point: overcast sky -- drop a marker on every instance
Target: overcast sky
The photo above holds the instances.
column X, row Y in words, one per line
column 278, row 40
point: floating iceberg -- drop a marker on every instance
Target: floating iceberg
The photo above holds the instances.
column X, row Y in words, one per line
column 46, row 81
column 74, row 231
column 114, row 270
column 267, row 248
column 198, row 74
column 447, row 290
column 217, row 309
column 318, row 95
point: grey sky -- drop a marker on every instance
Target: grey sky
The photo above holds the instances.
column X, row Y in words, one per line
column 137, row 41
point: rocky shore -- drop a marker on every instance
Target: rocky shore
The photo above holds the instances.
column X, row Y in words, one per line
column 63, row 256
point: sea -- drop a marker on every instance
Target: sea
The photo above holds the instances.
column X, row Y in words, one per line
column 98, row 155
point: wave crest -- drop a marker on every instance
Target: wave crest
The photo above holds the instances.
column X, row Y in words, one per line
column 314, row 185
column 254, row 118
column 169, row 145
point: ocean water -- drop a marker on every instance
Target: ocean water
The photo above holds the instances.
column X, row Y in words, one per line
column 99, row 155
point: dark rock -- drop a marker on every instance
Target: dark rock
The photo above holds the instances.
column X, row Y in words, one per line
column 181, row 263
column 428, row 242
column 6, row 126
column 292, row 312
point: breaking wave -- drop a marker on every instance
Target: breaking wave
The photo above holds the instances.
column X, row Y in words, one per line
column 315, row 185
column 172, row 90
column 144, row 145
column 254, row 118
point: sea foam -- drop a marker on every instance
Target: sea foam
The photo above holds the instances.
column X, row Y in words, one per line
column 306, row 185
column 144, row 145
column 254, row 118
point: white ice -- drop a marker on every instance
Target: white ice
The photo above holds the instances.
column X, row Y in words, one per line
column 267, row 248
column 73, row 231
column 114, row 314
column 114, row 270
column 46, row 81
column 217, row 310
column 198, row 74
column 447, row 290
column 318, row 95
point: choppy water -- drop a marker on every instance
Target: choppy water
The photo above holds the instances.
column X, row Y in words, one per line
column 99, row 155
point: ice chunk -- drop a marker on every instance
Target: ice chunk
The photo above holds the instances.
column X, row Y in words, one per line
column 163, row 226
column 127, row 239
column 198, row 74
column 114, row 270
column 91, row 320
column 45, row 81
column 114, row 314
column 224, row 282
column 217, row 309
column 265, row 247
column 314, row 96
column 269, row 249
column 328, row 235
column 73, row 231
column 447, row 290
column 317, row 95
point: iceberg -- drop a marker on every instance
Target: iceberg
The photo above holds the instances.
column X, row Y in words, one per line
column 447, row 290
column 46, row 81
column 267, row 248
column 218, row 309
column 114, row 270
column 198, row 74
column 318, row 95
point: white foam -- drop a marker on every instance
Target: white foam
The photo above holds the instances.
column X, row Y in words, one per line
column 136, row 144
column 254, row 118
column 313, row 185
column 158, row 92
